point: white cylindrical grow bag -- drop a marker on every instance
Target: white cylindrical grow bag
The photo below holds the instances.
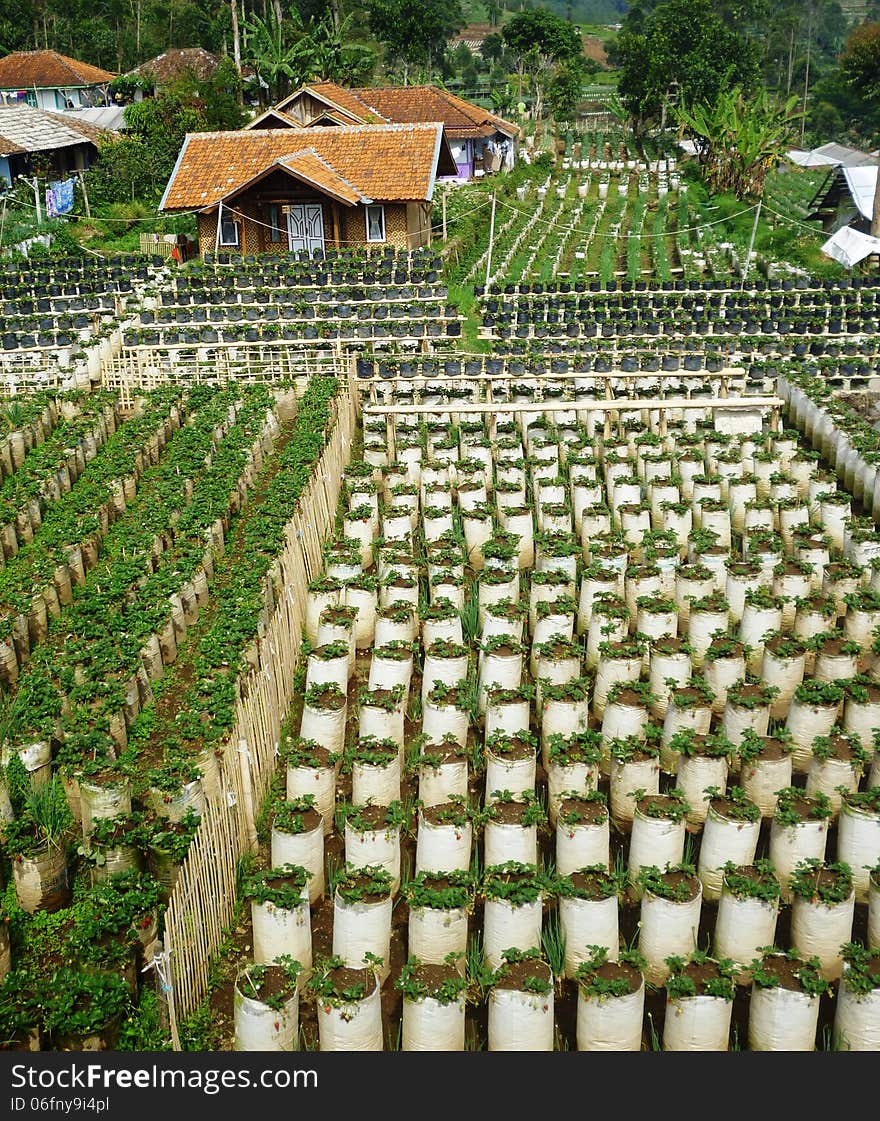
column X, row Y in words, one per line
column 316, row 602
column 563, row 778
column 697, row 1023
column 820, row 929
column 429, row 1024
column 626, row 779
column 433, row 933
column 665, row 667
column 387, row 672
column 513, row 771
column 504, row 841
column 258, row 1027
column 724, row 839
column 520, row 1021
column 304, row 849
column 441, row 719
column 667, row 929
column 587, row 923
column 744, row 926
column 325, row 726
column 610, row 1023
column 353, row 1025
column 792, row 844
column 372, row 783
column 442, row 778
column 364, row 601
column 321, row 671
column 804, row 723
column 503, row 669
column 508, row 716
column 654, row 841
column 583, row 844
column 858, row 840
column 831, row 777
column 722, row 673
column 782, row 1020
column 695, row 774
column 361, row 927
column 564, row 718
column 856, row 1018
column 282, row 930
column 507, row 926
column 696, row 717
column 762, row 777
column 784, row 674
column 320, row 782
column 442, row 846
column 380, row 845
column 383, row 723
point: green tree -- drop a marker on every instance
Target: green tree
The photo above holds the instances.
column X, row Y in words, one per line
column 494, row 8
column 541, row 43
column 492, row 47
column 414, row 32
column 686, row 51
column 334, row 56
column 565, row 86
column 139, row 163
column 860, row 67
column 860, row 61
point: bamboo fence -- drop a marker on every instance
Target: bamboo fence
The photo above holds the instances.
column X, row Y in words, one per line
column 203, row 898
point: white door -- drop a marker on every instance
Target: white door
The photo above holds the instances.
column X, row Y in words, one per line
column 305, row 226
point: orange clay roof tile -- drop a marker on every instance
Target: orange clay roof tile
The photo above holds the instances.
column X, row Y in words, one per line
column 386, row 163
column 48, row 70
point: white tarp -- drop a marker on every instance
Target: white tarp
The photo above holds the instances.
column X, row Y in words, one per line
column 849, row 246
column 808, row 159
column 831, row 155
column 862, row 183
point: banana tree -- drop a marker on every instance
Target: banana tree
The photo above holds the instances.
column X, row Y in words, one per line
column 738, row 139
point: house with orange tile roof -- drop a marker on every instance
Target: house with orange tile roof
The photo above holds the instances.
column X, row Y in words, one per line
column 52, row 81
column 480, row 141
column 278, row 190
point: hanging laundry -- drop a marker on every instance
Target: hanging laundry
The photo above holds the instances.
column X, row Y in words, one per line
column 63, row 191
column 51, row 211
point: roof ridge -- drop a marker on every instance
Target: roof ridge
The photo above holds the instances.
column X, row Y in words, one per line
column 326, row 163
column 388, row 127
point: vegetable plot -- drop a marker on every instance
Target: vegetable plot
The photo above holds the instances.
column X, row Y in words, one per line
column 572, row 736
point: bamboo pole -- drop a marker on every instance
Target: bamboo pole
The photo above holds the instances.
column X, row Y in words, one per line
column 613, row 405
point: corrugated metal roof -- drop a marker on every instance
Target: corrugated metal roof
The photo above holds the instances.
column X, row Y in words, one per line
column 110, row 117
column 24, row 129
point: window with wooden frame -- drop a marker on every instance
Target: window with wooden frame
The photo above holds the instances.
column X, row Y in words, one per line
column 274, row 222
column 375, row 217
column 229, row 230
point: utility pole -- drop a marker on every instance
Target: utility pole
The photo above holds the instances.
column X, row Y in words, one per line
column 491, row 241
column 34, row 185
column 807, row 73
column 82, row 180
column 745, row 270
